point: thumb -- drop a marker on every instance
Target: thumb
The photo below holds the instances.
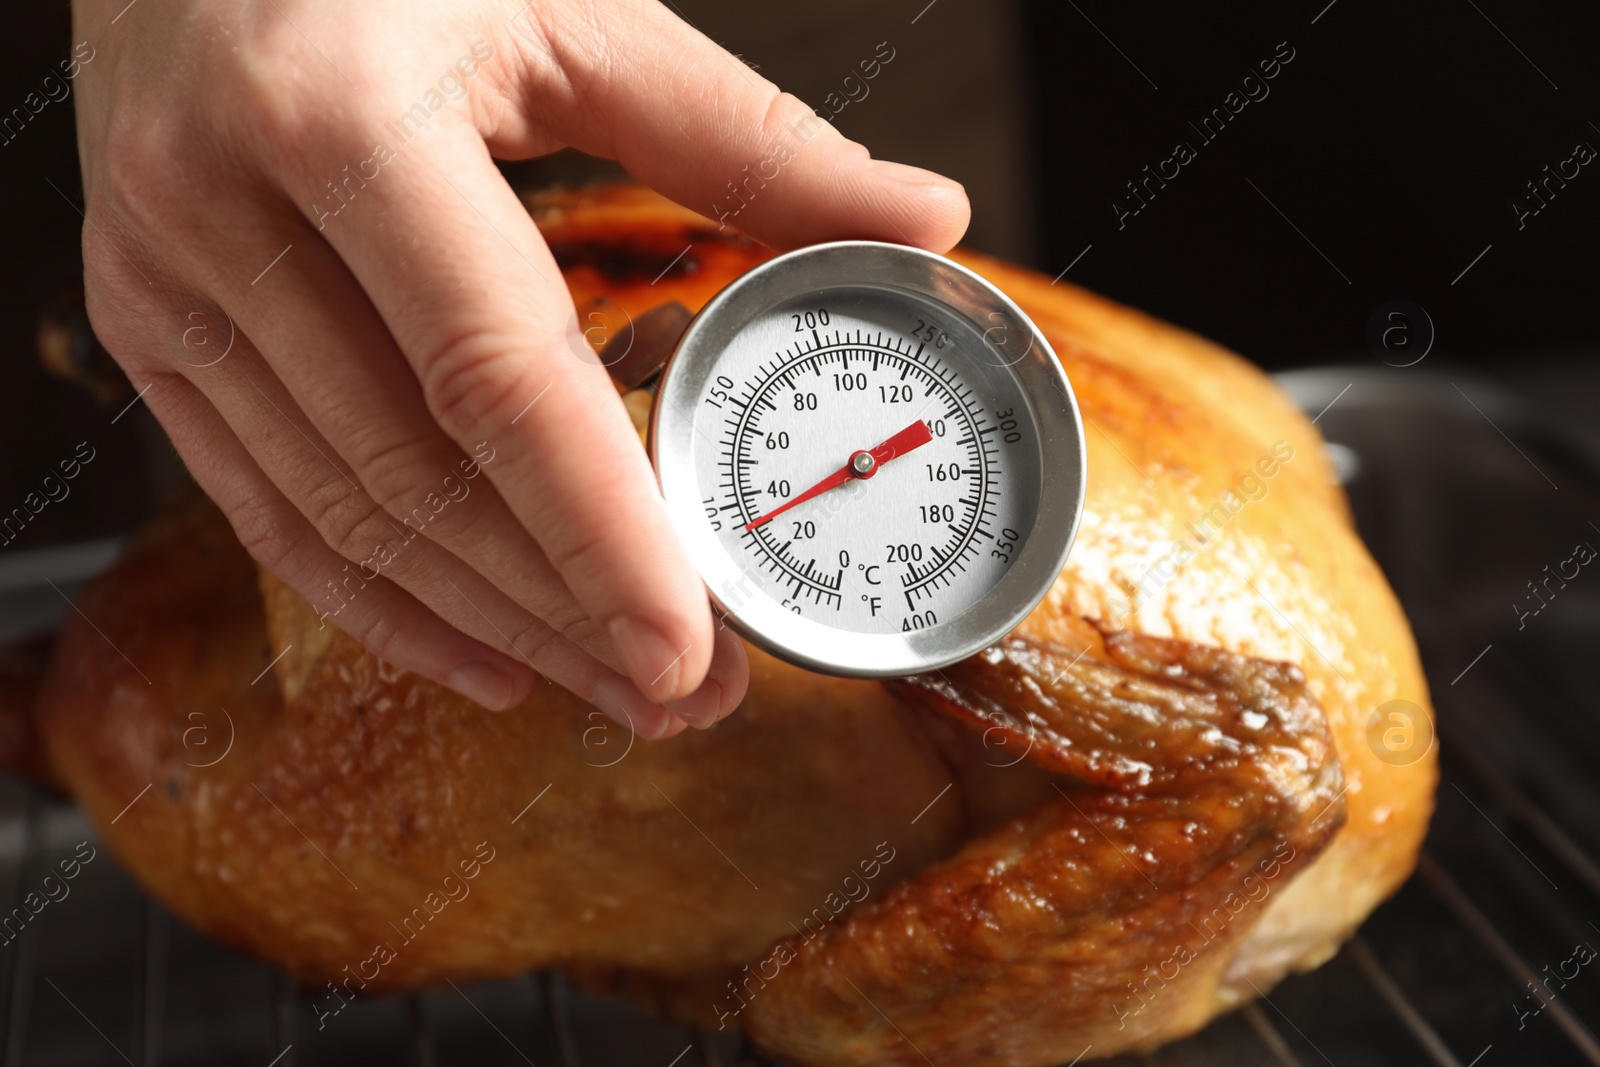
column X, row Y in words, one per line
column 690, row 120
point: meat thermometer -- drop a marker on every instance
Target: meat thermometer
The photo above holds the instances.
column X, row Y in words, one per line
column 872, row 456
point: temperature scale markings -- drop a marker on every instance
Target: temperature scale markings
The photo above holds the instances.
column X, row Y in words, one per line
column 959, row 406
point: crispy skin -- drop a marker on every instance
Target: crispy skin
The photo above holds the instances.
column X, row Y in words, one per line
column 338, row 810
column 1177, row 760
column 1100, row 913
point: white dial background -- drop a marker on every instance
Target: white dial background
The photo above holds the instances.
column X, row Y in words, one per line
column 802, row 389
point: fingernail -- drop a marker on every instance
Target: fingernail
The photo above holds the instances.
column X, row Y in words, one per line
column 483, row 684
column 654, row 664
column 623, row 702
column 730, row 670
column 702, row 708
column 915, row 176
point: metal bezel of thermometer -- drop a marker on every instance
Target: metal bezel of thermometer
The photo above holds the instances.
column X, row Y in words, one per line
column 959, row 342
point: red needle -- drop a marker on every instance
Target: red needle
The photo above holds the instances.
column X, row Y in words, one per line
column 863, row 464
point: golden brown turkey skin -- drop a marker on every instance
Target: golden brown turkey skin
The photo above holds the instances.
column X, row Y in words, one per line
column 1028, row 905
column 1197, row 781
column 339, row 810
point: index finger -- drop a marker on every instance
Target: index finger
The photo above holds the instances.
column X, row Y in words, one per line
column 471, row 294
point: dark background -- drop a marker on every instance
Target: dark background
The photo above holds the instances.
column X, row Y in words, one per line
column 1394, row 142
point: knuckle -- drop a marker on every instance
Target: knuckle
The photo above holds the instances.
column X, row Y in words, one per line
column 110, row 288
column 142, row 162
column 278, row 90
column 357, row 541
column 269, row 101
column 298, row 127
column 270, row 537
column 581, row 630
column 379, row 634
column 779, row 107
column 594, row 551
column 577, row 556
column 531, row 640
column 786, row 115
column 475, row 379
column 346, row 519
column 391, row 471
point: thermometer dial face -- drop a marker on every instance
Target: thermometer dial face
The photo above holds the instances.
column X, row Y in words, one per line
column 872, row 456
column 929, row 529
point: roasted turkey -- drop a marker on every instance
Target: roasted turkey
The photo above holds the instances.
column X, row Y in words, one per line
column 1145, row 806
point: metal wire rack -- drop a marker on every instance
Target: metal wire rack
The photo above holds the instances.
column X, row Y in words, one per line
column 1473, row 964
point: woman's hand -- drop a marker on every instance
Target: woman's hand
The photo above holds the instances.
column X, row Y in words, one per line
column 400, row 429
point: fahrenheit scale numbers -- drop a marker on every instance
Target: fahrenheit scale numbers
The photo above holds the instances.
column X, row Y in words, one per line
column 871, row 455
column 857, row 474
